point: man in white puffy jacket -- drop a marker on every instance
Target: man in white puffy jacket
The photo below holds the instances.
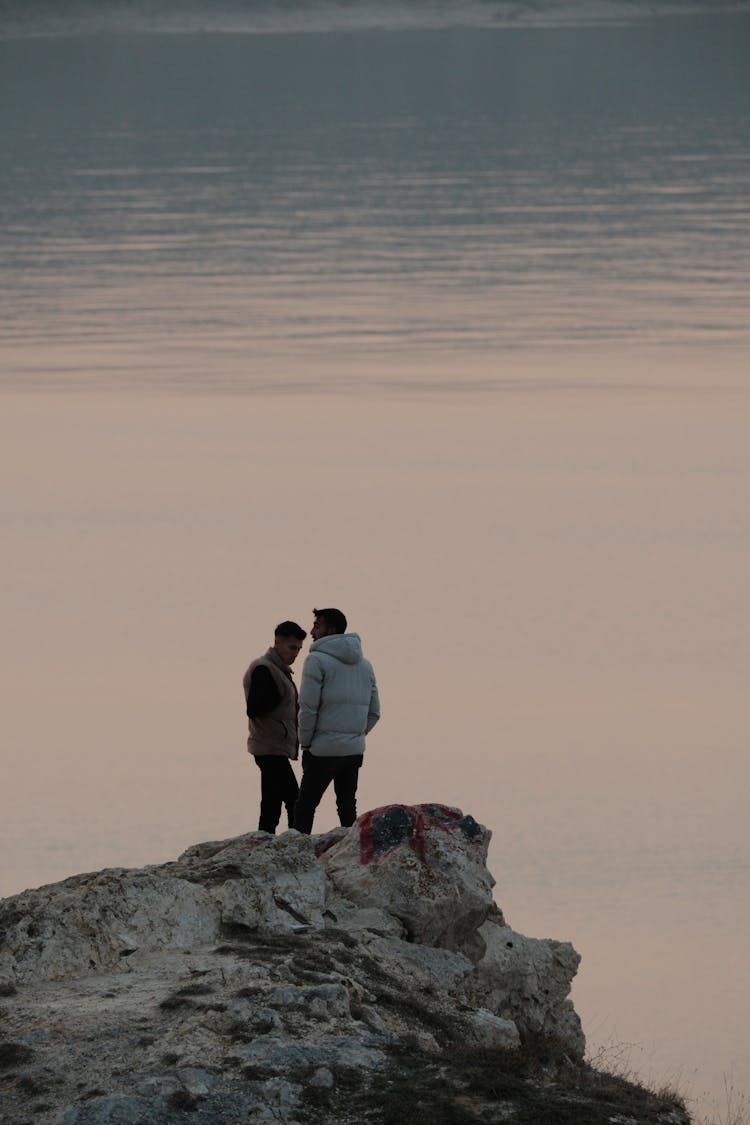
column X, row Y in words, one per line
column 338, row 706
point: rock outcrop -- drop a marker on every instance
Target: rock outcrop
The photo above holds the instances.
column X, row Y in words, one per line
column 282, row 979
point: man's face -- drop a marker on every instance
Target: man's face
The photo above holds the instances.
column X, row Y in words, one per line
column 319, row 629
column 288, row 648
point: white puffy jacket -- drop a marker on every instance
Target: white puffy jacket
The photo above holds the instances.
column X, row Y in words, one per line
column 338, row 697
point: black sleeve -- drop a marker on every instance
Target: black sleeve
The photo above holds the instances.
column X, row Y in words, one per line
column 262, row 694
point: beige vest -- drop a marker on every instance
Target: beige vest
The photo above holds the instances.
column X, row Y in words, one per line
column 276, row 731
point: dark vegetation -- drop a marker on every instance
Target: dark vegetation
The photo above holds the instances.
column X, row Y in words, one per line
column 14, row 1054
column 182, row 1101
column 464, row 1085
column 196, row 990
column 184, row 998
column 451, row 1092
column 171, row 1003
column 471, row 1086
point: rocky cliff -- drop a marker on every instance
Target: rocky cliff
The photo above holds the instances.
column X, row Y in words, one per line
column 365, row 975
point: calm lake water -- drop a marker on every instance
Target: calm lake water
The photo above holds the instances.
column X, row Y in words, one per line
column 195, row 208
column 448, row 327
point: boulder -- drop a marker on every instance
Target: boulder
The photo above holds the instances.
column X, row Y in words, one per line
column 98, row 921
column 423, row 864
column 527, row 980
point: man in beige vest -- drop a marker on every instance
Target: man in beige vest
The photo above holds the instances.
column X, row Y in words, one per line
column 272, row 703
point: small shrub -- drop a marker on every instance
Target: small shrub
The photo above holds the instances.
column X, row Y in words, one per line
column 417, row 1012
column 257, row 1073
column 14, row 1054
column 240, row 1032
column 196, row 990
column 31, row 1085
column 183, row 1101
column 334, row 936
column 171, row 1003
column 316, row 1097
column 346, row 1077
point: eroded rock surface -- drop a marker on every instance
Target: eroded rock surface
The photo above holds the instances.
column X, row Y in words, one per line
column 270, row 979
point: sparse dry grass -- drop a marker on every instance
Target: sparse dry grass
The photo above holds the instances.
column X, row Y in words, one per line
column 734, row 1111
column 615, row 1058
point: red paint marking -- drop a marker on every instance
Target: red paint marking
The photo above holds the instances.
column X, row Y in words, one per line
column 366, row 842
column 425, row 816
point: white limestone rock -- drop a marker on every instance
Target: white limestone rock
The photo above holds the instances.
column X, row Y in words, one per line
column 321, row 1001
column 254, row 973
column 492, row 1032
column 360, row 920
column 93, row 922
column 528, row 980
column 421, row 967
column 97, row 921
column 271, row 883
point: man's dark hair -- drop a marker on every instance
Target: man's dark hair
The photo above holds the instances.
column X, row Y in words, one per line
column 333, row 618
column 290, row 629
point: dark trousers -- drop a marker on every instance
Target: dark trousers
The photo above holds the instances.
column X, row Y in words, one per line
column 278, row 786
column 317, row 775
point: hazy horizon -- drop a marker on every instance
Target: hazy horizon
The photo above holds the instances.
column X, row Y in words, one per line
column 20, row 18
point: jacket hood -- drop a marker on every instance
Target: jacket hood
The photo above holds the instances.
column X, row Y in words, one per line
column 346, row 647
